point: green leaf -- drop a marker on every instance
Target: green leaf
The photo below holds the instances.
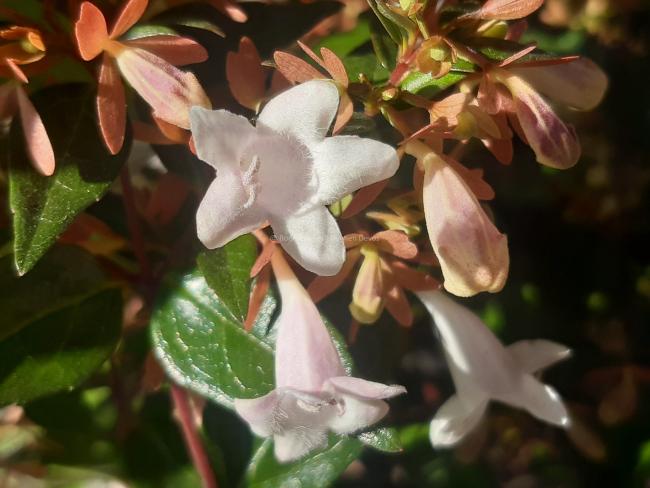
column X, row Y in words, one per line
column 318, row 470
column 367, row 64
column 64, row 277
column 60, row 350
column 500, row 49
column 383, row 439
column 227, row 271
column 203, row 348
column 426, row 85
column 343, row 43
column 43, row 206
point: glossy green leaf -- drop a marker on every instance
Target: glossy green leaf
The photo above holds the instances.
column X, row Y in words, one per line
column 203, row 348
column 318, row 470
column 43, row 206
column 426, row 85
column 60, row 350
column 64, row 277
column 500, row 49
column 227, row 271
column 368, row 65
column 382, row 439
column 343, row 43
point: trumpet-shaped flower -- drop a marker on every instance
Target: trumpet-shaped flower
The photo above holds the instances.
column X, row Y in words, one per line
column 285, row 171
column 20, row 46
column 313, row 391
column 484, row 370
column 147, row 63
column 473, row 254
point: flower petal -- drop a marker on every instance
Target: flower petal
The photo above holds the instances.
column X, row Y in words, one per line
column 111, row 105
column 296, row 443
column 473, row 254
column 344, row 164
column 536, row 355
column 305, row 111
column 322, row 286
column 178, row 51
column 539, row 400
column 507, row 9
column 90, row 31
column 128, row 16
column 369, row 390
column 169, row 91
column 580, row 84
column 313, row 239
column 454, row 420
column 38, row 142
column 220, row 137
column 259, row 413
column 555, row 144
column 226, row 212
column 358, row 413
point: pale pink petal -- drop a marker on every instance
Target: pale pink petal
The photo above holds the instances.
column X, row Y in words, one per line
column 357, row 413
column 473, row 254
column 369, row 390
column 454, row 420
column 169, row 91
column 344, row 164
column 296, row 443
column 259, row 413
column 536, row 355
column 555, row 144
column 580, row 84
column 38, row 143
column 311, row 237
column 305, row 111
column 305, row 356
column 178, row 51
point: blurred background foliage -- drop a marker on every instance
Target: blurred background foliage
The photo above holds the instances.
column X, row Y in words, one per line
column 580, row 275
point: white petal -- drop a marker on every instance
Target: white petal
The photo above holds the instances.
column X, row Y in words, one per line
column 220, row 137
column 580, row 84
column 294, row 444
column 536, row 355
column 305, row 111
column 313, row 239
column 356, row 413
column 364, row 388
column 454, row 420
column 259, row 413
column 226, row 212
column 540, row 400
column 344, row 164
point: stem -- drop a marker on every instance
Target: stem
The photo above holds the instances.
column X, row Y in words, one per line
column 134, row 225
column 191, row 436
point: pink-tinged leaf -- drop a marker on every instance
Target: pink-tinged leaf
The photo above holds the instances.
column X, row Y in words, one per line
column 500, row 149
column 473, row 254
column 580, row 84
column 18, row 73
column 90, row 31
column 398, row 306
column 150, row 134
column 344, row 114
column 295, row 69
column 308, row 51
column 111, row 105
column 395, row 243
column 38, row 143
column 518, row 55
column 444, row 114
column 516, row 30
column 169, row 91
column 178, row 51
column 264, row 258
column 363, row 198
column 166, row 200
column 260, row 289
column 334, row 66
column 231, row 9
column 474, row 179
column 507, row 9
column 368, row 292
column 323, row 286
column 173, row 132
column 128, row 16
column 412, row 279
column 8, row 102
column 554, row 143
column 245, row 75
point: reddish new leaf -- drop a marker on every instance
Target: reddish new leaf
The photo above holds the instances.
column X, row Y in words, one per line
column 246, row 78
column 90, row 31
column 295, row 69
column 111, row 105
column 178, row 51
column 128, row 16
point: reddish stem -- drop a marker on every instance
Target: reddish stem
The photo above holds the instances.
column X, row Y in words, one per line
column 134, row 225
column 191, row 436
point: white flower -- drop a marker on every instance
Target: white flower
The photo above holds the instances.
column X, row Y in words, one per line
column 483, row 370
column 284, row 170
column 313, row 392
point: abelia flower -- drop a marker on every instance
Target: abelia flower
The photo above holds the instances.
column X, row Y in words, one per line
column 484, row 370
column 313, row 391
column 21, row 46
column 147, row 63
column 473, row 254
column 285, row 171
column 381, row 278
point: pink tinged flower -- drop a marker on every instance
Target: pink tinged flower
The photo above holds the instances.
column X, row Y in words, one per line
column 484, row 370
column 39, row 148
column 313, row 391
column 285, row 171
column 473, row 254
